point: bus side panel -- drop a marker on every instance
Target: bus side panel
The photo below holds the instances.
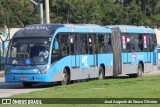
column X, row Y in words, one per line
column 129, row 69
column 128, row 64
column 133, row 60
column 143, row 57
column 107, row 60
column 87, row 68
column 58, row 67
column 84, row 71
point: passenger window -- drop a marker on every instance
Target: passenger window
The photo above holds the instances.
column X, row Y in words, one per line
column 84, row 46
column 107, row 47
column 138, row 42
column 132, row 39
column 128, row 40
column 64, row 47
column 72, row 42
column 55, row 51
column 145, row 43
column 100, row 43
column 90, row 42
column 153, row 42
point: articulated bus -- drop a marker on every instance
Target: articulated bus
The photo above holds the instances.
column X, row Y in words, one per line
column 77, row 52
column 139, row 49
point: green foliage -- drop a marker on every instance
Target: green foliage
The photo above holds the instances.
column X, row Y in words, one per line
column 19, row 13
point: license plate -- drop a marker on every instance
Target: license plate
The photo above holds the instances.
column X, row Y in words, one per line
column 24, row 78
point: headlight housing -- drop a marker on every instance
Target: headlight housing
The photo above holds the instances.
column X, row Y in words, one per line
column 43, row 70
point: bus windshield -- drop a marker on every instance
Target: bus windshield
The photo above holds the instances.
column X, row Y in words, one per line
column 28, row 51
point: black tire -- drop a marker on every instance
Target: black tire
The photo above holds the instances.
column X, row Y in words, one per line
column 65, row 77
column 132, row 75
column 139, row 70
column 101, row 73
column 27, row 84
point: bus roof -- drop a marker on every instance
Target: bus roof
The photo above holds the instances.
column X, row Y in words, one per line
column 131, row 29
column 48, row 29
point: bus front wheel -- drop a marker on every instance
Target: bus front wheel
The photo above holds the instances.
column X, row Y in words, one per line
column 101, row 73
column 65, row 77
column 27, row 84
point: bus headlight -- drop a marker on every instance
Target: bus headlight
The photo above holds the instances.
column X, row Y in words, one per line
column 7, row 71
column 44, row 70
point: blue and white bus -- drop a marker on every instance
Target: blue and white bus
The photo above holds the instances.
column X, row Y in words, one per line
column 76, row 51
column 139, row 49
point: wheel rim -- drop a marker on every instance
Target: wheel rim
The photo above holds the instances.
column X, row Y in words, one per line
column 101, row 74
column 139, row 71
column 64, row 78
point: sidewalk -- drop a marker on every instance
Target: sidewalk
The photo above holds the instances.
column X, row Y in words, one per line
column 152, row 73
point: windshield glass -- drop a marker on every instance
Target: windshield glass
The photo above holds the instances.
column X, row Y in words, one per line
column 28, row 51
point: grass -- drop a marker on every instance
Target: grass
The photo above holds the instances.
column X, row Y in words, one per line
column 144, row 87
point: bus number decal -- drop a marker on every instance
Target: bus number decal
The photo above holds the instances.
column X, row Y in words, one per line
column 85, row 61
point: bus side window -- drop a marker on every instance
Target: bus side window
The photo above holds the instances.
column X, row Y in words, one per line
column 74, row 43
column 55, row 52
column 153, row 42
column 107, row 44
column 139, row 43
column 132, row 43
column 100, row 43
column 90, row 44
column 128, row 44
column 71, row 44
column 145, row 43
column 64, row 47
column 126, row 40
column 107, row 48
column 84, row 48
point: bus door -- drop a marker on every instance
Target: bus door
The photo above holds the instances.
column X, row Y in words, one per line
column 84, row 51
column 74, row 50
column 92, row 49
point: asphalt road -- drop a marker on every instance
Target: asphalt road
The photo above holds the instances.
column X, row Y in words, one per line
column 9, row 89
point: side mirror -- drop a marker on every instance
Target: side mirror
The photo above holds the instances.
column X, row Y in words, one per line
column 4, row 45
column 56, row 46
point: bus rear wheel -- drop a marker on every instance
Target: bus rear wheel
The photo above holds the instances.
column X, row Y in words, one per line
column 27, row 84
column 65, row 77
column 101, row 73
column 139, row 70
